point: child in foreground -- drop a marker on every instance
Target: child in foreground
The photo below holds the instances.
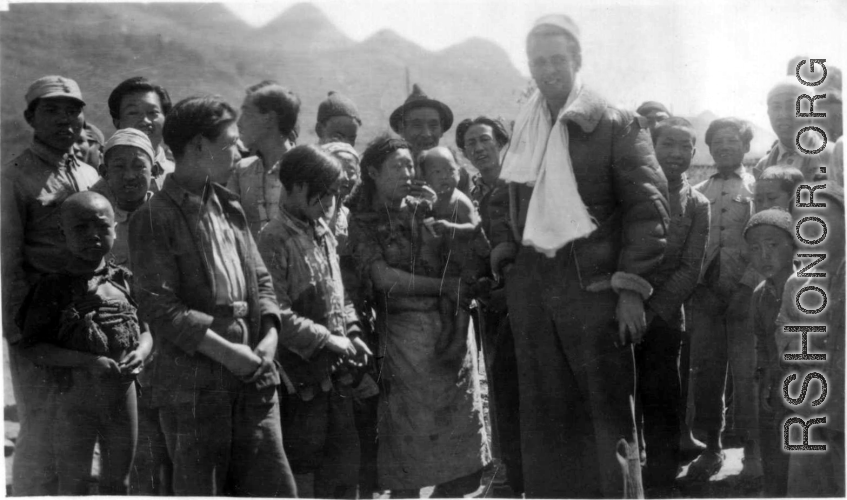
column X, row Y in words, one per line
column 464, row 248
column 83, row 323
column 770, row 243
column 776, row 187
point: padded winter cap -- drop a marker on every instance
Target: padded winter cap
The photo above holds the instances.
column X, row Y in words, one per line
column 337, row 104
column 776, row 217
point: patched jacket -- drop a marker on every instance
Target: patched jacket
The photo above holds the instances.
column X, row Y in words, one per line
column 622, row 186
column 304, row 267
column 174, row 284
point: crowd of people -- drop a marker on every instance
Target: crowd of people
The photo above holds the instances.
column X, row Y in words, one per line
column 226, row 312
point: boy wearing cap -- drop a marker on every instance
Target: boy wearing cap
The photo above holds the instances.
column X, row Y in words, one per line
column 720, row 304
column 138, row 103
column 654, row 111
column 770, row 243
column 267, row 126
column 338, row 120
column 35, row 184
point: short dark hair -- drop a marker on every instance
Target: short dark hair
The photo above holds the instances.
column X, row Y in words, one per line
column 207, row 116
column 574, row 48
column 745, row 131
column 375, row 154
column 310, row 165
column 788, row 177
column 501, row 134
column 268, row 96
column 134, row 85
column 673, row 122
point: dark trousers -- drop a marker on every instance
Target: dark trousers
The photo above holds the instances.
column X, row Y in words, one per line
column 322, row 442
column 365, row 413
column 501, row 366
column 576, row 384
column 152, row 469
column 657, row 366
column 774, row 457
column 96, row 409
column 228, row 441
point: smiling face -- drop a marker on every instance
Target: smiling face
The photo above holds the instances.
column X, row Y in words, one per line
column 351, row 172
column 128, row 172
column 89, row 229
column 421, row 128
column 552, row 66
column 771, row 250
column 481, row 148
column 142, row 111
column 57, row 121
column 727, row 149
column 338, row 129
column 674, row 150
column 783, row 118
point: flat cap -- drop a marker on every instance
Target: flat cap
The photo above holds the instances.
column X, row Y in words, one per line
column 52, row 86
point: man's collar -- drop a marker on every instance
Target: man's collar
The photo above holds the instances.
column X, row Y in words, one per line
column 52, row 156
column 181, row 195
column 586, row 110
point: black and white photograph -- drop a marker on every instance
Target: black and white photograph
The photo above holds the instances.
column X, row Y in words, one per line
column 384, row 249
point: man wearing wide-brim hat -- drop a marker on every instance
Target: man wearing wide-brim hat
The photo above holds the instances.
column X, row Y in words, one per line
column 421, row 121
column 588, row 216
column 34, row 185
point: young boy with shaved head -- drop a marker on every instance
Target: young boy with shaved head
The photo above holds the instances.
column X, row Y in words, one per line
column 82, row 323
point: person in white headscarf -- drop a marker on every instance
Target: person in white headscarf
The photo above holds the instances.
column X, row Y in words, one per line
column 589, row 215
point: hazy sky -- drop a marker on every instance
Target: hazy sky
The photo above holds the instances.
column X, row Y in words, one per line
column 692, row 55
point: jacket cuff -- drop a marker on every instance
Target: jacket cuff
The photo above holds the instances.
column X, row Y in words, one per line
column 632, row 282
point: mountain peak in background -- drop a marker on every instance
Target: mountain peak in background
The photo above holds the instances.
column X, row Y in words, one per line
column 304, row 27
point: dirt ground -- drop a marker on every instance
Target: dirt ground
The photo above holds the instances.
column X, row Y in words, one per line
column 723, row 485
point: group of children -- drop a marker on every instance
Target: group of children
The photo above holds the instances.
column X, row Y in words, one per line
column 731, row 248
column 742, row 294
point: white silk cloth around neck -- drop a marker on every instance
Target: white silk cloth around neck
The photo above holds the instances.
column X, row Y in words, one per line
column 538, row 155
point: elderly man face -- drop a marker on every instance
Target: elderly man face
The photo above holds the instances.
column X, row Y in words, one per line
column 422, row 128
column 552, row 64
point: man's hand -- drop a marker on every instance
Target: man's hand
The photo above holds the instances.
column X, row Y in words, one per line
column 341, row 345
column 631, row 318
column 242, row 361
column 101, row 365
